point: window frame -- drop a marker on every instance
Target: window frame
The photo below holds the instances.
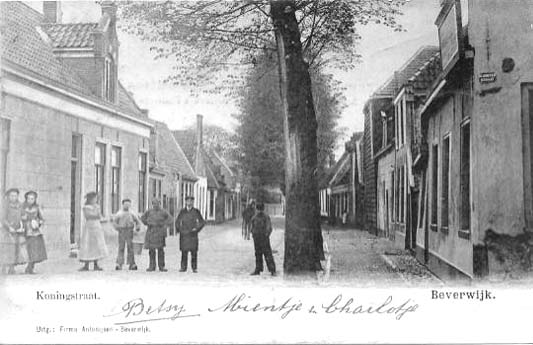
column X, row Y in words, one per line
column 464, row 232
column 142, row 170
column 100, row 174
column 445, row 178
column 116, row 178
column 434, row 207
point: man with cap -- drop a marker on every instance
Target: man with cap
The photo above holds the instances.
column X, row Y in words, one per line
column 189, row 223
column 157, row 221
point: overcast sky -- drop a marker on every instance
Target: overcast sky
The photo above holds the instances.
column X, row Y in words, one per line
column 383, row 51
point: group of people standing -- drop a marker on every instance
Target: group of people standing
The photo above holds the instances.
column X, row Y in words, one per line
column 157, row 220
column 21, row 239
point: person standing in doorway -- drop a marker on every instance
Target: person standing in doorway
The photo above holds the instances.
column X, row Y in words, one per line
column 13, row 239
column 33, row 221
column 126, row 222
column 92, row 240
column 261, row 230
column 157, row 221
column 189, row 223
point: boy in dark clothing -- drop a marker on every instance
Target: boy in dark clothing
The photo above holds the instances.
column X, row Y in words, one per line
column 261, row 230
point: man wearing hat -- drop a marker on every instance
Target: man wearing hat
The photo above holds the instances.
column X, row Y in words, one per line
column 189, row 223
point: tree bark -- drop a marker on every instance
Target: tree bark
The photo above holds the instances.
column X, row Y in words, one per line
column 303, row 235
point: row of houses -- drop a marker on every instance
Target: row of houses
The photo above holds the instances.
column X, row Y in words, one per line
column 68, row 126
column 446, row 149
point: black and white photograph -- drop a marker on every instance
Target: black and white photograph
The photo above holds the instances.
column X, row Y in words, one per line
column 266, row 171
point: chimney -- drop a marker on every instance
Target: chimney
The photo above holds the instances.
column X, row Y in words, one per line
column 109, row 8
column 145, row 112
column 199, row 131
column 52, row 12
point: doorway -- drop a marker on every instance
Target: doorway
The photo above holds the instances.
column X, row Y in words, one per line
column 75, row 189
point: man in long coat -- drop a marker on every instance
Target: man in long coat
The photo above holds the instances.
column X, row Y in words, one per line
column 157, row 221
column 189, row 223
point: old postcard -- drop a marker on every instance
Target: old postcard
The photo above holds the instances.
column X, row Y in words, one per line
column 270, row 171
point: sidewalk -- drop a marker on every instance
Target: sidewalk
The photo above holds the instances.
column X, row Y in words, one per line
column 358, row 258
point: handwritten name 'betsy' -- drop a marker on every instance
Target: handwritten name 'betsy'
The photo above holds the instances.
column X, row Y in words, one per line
column 339, row 305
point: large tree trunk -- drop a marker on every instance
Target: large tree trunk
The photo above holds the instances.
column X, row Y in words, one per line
column 303, row 236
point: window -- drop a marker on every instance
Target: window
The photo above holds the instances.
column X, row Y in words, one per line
column 5, row 125
column 384, row 129
column 99, row 165
column 434, row 185
column 212, row 203
column 397, row 193
column 116, row 163
column 445, row 183
column 109, row 87
column 465, row 177
column 155, row 189
column 402, row 195
column 142, row 181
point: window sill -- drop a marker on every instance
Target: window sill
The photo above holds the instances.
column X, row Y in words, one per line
column 464, row 234
column 433, row 227
column 444, row 230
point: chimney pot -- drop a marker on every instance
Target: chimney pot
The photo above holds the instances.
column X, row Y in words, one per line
column 52, row 12
column 199, row 130
column 109, row 7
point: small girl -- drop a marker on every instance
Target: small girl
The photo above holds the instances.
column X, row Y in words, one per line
column 33, row 221
column 92, row 241
column 13, row 244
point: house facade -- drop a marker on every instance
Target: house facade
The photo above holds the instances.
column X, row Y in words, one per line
column 171, row 175
column 218, row 186
column 476, row 166
column 68, row 128
column 341, row 192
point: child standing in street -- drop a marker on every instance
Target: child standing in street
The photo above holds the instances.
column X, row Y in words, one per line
column 126, row 222
column 33, row 220
column 13, row 239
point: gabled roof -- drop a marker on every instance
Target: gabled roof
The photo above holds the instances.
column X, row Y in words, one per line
column 27, row 48
column 426, row 75
column 126, row 101
column 169, row 154
column 23, row 46
column 187, row 140
column 340, row 169
column 75, row 35
column 400, row 77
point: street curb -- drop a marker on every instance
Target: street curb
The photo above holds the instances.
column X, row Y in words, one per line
column 394, row 267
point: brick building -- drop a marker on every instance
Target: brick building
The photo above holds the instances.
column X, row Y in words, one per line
column 68, row 126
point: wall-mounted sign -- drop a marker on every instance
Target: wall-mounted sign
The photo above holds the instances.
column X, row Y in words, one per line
column 487, row 77
column 449, row 24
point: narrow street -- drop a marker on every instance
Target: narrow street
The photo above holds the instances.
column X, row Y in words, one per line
column 355, row 258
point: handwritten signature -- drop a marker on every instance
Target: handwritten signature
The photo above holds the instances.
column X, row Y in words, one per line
column 137, row 311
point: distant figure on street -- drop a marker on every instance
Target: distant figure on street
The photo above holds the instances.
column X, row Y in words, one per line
column 126, row 222
column 92, row 240
column 12, row 233
column 189, row 223
column 33, row 221
column 261, row 230
column 247, row 216
column 157, row 220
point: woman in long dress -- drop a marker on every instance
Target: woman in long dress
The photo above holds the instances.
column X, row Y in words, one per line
column 92, row 241
column 33, row 220
column 12, row 244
